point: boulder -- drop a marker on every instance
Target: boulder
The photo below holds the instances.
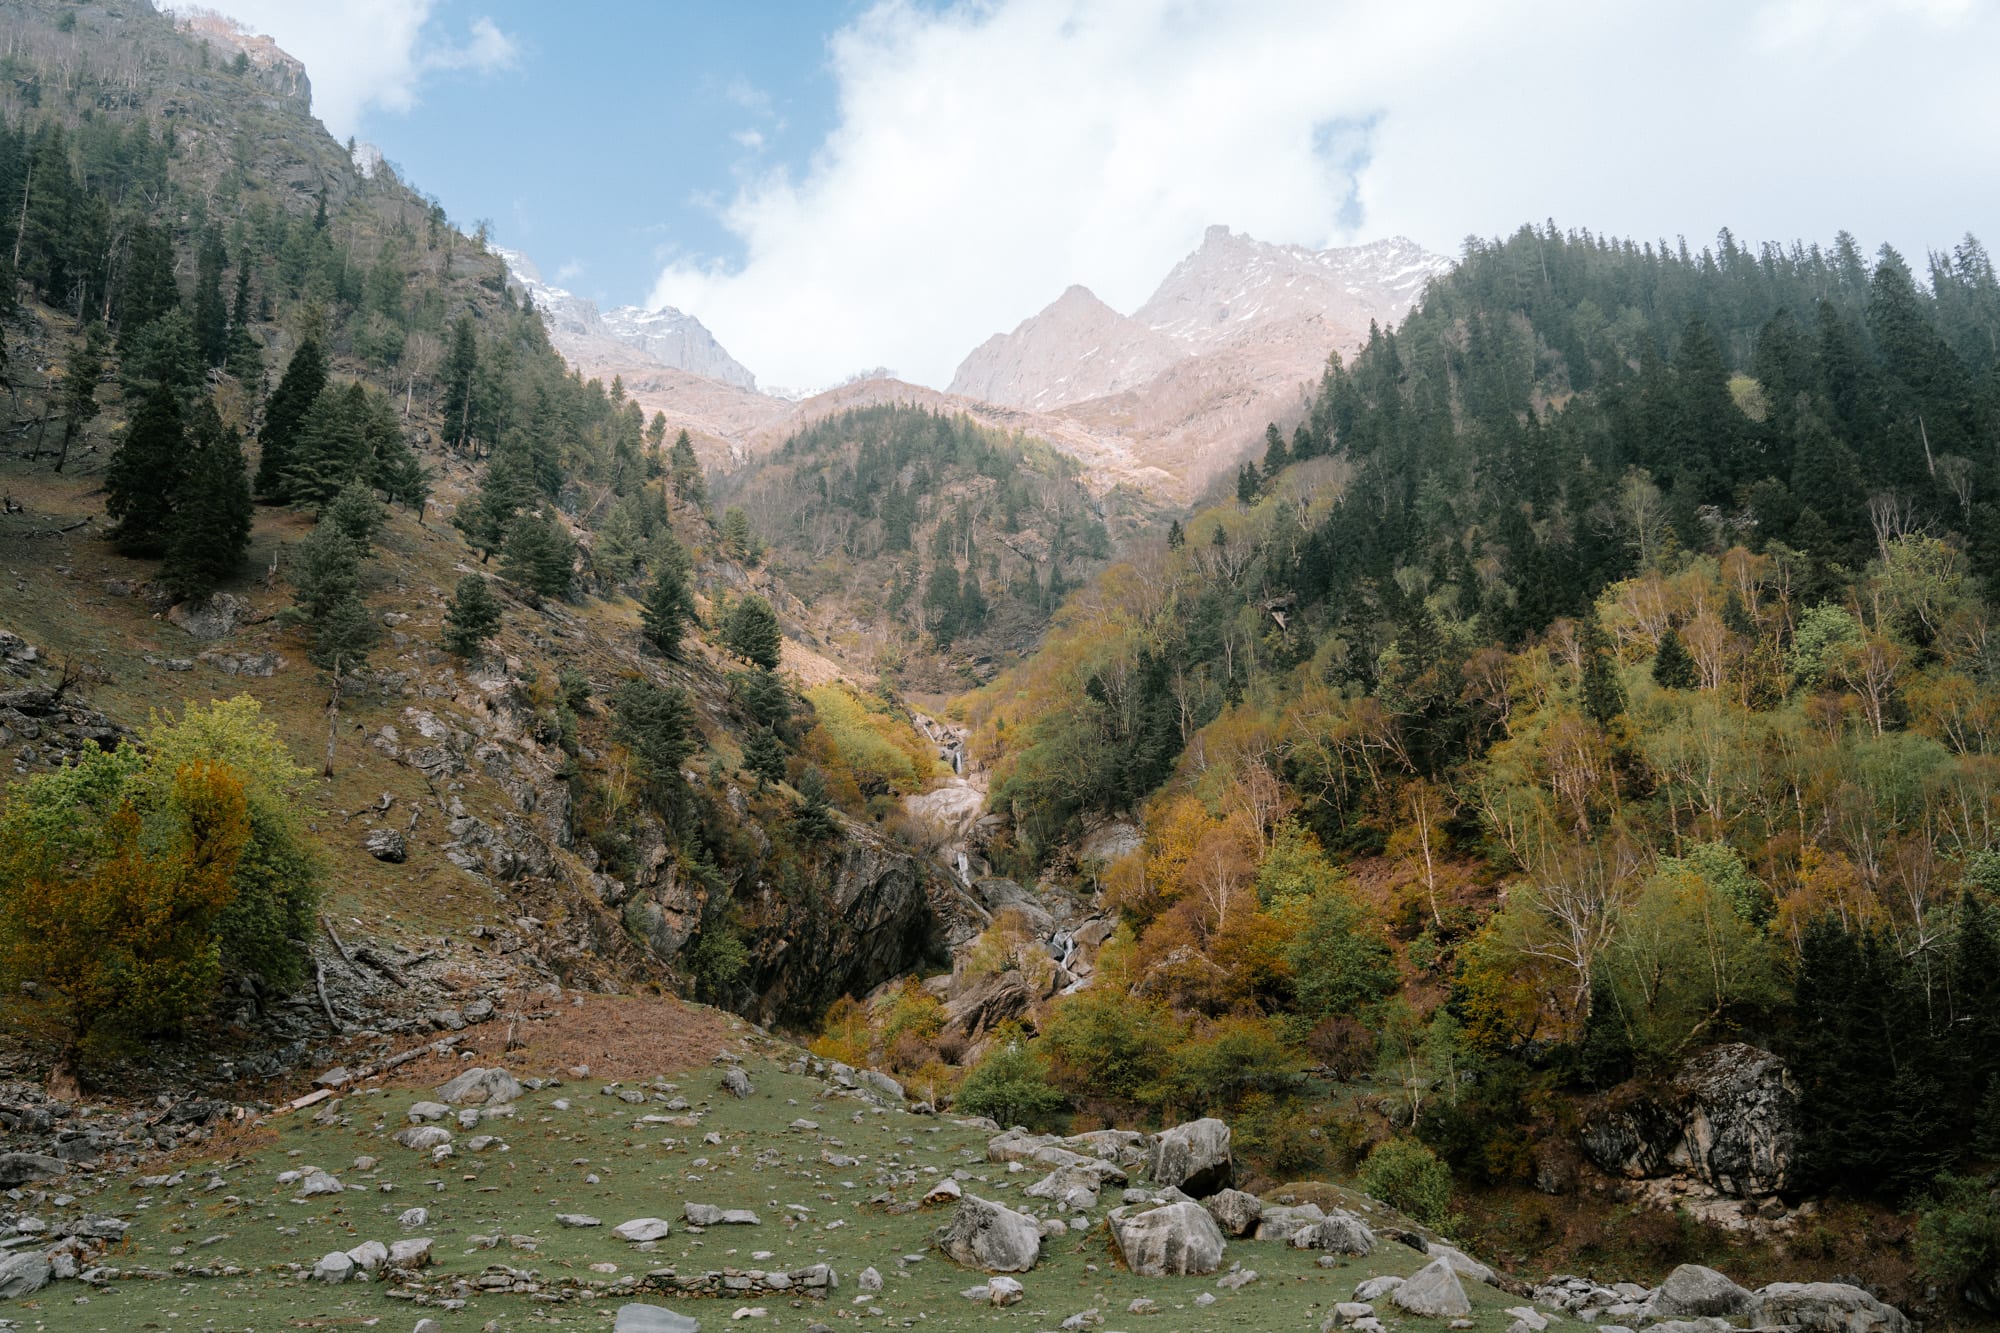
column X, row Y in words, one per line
column 637, row 1318
column 213, row 617
column 708, row 1215
column 480, row 1087
column 1193, row 1157
column 642, row 1229
column 1003, row 1291
column 386, row 844
column 991, row 1237
column 1278, row 1224
column 737, row 1083
column 1692, row 1291
column 335, row 1268
column 882, row 1085
column 424, row 1112
column 578, row 1220
column 1461, row 1263
column 1339, row 1232
column 23, row 1275
column 1729, row 1118
column 422, row 1138
column 1828, row 1307
column 412, row 1253
column 1433, row 1291
column 1375, row 1288
column 1235, row 1212
column 1174, row 1239
column 25, row 1168
column 315, row 1183
column 946, row 1190
column 1077, row 1188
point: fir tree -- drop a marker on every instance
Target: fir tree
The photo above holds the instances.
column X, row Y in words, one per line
column 685, row 469
column 764, row 757
column 751, row 632
column 145, row 473
column 212, row 507
column 737, row 542
column 538, row 556
column 487, row 518
column 1673, row 668
column 1176, row 536
column 812, row 819
column 657, row 725
column 669, row 605
column 461, row 369
column 1247, row 484
column 1275, row 453
column 298, row 388
column 81, row 369
column 764, row 699
column 329, row 450
column 1603, row 696
column 471, row 618
column 246, row 349
column 211, row 315
column 325, row 571
column 357, row 515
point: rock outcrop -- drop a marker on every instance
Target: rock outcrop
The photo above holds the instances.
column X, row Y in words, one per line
column 1729, row 1119
column 1193, row 1158
column 1434, row 1291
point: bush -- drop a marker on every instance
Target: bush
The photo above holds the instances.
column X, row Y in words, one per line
column 1408, row 1176
column 1010, row 1086
column 1958, row 1233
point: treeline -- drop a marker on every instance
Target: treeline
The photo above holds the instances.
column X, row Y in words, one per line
column 1626, row 612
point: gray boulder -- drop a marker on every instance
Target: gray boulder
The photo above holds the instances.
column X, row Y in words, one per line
column 1433, row 1291
column 25, row 1168
column 412, row 1253
column 737, row 1083
column 1339, row 1232
column 708, row 1215
column 879, row 1083
column 1278, row 1224
column 1828, row 1307
column 1461, row 1263
column 990, row 1237
column 636, row 1318
column 1173, row 1240
column 1193, row 1157
column 643, row 1229
column 1729, row 1119
column 1235, row 1212
column 213, row 617
column 480, row 1087
column 422, row 1138
column 23, row 1275
column 1068, row 1185
column 386, row 844
column 1692, row 1291
column 1375, row 1288
column 334, row 1268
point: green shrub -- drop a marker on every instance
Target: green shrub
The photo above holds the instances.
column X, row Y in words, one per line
column 1958, row 1231
column 1010, row 1086
column 1408, row 1176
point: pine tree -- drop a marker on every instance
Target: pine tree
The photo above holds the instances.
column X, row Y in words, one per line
column 763, row 699
column 685, row 469
column 1176, row 536
column 764, row 757
column 357, row 514
column 751, row 632
column 461, row 370
column 736, row 539
column 538, row 556
column 1247, row 484
column 211, row 315
column 300, row 386
column 325, row 571
column 149, row 290
column 813, row 820
column 471, row 618
column 487, row 518
column 330, row 449
column 145, row 473
column 246, row 349
column 210, row 531
column 669, row 606
column 657, row 725
column 1673, row 668
column 81, row 369
column 1603, row 696
column 1275, row 453
column 617, row 551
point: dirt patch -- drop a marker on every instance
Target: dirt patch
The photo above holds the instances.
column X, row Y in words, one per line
column 617, row 1036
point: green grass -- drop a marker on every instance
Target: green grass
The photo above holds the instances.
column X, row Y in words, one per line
column 760, row 1164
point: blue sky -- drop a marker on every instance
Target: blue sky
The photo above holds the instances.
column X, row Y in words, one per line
column 864, row 183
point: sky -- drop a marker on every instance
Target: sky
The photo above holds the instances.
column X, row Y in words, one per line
column 857, row 183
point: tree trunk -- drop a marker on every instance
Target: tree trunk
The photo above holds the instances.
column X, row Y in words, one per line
column 332, row 723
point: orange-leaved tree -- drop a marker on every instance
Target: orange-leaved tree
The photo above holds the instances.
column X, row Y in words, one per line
column 116, row 917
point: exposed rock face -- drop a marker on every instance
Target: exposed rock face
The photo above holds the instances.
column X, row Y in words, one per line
column 1828, row 1307
column 1692, row 1291
column 1172, row 1240
column 386, row 844
column 1193, row 1157
column 1729, row 1118
column 1433, row 1290
column 991, row 1237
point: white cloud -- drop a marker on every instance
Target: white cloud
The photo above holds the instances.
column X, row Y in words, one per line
column 989, row 154
column 364, row 55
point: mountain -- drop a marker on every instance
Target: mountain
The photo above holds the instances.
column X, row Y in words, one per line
column 1233, row 338
column 666, row 337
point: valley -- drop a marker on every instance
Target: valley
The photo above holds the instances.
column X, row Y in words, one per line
column 1372, row 792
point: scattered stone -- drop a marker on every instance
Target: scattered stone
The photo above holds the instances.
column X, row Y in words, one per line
column 1143, row 1305
column 369, row 1255
column 708, row 1215
column 23, row 1275
column 991, row 1237
column 1234, row 1211
column 1003, row 1291
column 481, row 1087
column 946, row 1190
column 1193, row 1157
column 315, row 1183
column 578, row 1220
column 1236, row 1279
column 1375, row 1288
column 637, row 1318
column 1174, row 1239
column 422, row 1138
column 25, row 1168
column 642, row 1229
column 1692, row 1291
column 335, row 1268
column 1433, row 1291
column 412, row 1253
column 386, row 844
column 424, row 1112
column 737, row 1083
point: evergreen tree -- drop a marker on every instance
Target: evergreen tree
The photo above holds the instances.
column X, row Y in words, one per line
column 325, row 571
column 1673, row 668
column 489, row 516
column 471, row 618
column 764, row 756
column 737, row 542
column 539, row 555
column 1247, row 484
column 764, row 699
column 298, row 389
column 812, row 819
column 461, row 370
column 685, row 469
column 165, row 352
column 1176, row 536
column 751, row 632
column 246, row 349
column 210, row 532
column 669, row 605
column 211, row 314
column 149, row 290
column 145, row 473
column 1275, row 453
column 657, row 725
column 1603, row 696
column 358, row 516
column 618, row 540
column 81, row 369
